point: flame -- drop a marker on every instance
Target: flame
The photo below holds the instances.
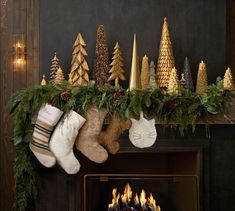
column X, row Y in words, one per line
column 143, row 199
column 115, row 198
column 152, row 203
column 136, row 199
column 127, row 195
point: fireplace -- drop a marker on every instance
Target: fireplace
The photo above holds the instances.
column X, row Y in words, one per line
column 171, row 192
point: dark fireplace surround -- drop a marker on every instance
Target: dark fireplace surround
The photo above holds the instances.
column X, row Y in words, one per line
column 174, row 159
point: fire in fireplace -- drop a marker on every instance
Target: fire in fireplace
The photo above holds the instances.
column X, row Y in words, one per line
column 129, row 201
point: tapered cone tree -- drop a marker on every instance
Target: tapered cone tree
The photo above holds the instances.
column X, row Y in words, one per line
column 228, row 80
column 43, row 81
column 202, row 79
column 188, row 75
column 59, row 77
column 166, row 59
column 174, row 84
column 55, row 64
column 135, row 70
column 101, row 64
column 78, row 75
column 144, row 76
column 117, row 72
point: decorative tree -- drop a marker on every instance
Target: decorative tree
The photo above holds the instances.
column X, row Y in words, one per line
column 166, row 59
column 228, row 80
column 59, row 77
column 183, row 82
column 101, row 64
column 145, row 73
column 55, row 64
column 152, row 76
column 117, row 72
column 79, row 68
column 201, row 79
column 188, row 75
column 174, row 84
column 43, row 81
column 135, row 70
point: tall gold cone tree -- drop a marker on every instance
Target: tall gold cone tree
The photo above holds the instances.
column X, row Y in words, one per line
column 174, row 83
column 79, row 68
column 144, row 76
column 135, row 70
column 117, row 71
column 202, row 83
column 228, row 80
column 166, row 59
column 59, row 77
column 55, row 64
column 101, row 64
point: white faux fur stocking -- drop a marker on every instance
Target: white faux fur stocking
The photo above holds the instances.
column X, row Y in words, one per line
column 62, row 141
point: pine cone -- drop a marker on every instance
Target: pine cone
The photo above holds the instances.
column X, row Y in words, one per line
column 65, row 96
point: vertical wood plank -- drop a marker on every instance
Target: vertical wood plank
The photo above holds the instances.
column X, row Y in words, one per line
column 6, row 87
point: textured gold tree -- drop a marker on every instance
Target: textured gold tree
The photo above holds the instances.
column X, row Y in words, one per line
column 228, row 80
column 174, row 84
column 117, row 71
column 79, row 68
column 43, row 81
column 166, row 59
column 55, row 64
column 101, row 64
column 202, row 83
column 144, row 76
column 59, row 77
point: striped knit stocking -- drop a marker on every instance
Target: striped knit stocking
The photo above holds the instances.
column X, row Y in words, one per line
column 48, row 117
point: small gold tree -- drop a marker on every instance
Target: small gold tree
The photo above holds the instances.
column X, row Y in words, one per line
column 228, row 80
column 43, row 81
column 174, row 84
column 79, row 68
column 144, row 76
column 166, row 59
column 117, row 71
column 202, row 83
column 55, row 64
column 59, row 77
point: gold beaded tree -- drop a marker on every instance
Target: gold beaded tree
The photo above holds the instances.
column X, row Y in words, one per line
column 144, row 76
column 228, row 80
column 117, row 71
column 79, row 68
column 59, row 77
column 202, row 83
column 43, row 81
column 166, row 59
column 174, row 83
column 55, row 64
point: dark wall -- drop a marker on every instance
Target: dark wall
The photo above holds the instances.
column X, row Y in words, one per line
column 198, row 29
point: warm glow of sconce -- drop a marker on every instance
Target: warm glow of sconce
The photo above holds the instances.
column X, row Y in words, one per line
column 19, row 56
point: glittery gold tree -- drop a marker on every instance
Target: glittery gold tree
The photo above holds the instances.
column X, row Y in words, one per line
column 43, row 81
column 228, row 80
column 174, row 84
column 144, row 76
column 202, row 83
column 183, row 82
column 166, row 59
column 101, row 64
column 117, row 71
column 59, row 77
column 55, row 64
column 79, row 68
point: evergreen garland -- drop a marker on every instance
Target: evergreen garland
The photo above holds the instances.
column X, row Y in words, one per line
column 177, row 111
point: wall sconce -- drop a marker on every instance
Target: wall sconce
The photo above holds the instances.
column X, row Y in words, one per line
column 19, row 53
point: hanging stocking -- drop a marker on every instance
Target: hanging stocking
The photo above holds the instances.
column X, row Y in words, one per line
column 87, row 140
column 62, row 141
column 109, row 138
column 142, row 132
column 48, row 117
